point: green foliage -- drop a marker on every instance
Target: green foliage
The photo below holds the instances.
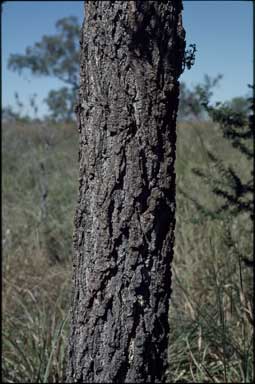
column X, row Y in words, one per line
column 238, row 129
column 191, row 100
column 189, row 56
column 61, row 104
column 239, row 105
column 56, row 56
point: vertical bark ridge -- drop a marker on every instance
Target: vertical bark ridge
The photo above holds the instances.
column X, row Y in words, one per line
column 131, row 58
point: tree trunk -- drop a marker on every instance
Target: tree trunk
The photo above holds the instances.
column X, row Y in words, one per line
column 131, row 57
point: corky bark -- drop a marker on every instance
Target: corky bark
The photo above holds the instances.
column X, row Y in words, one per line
column 131, row 57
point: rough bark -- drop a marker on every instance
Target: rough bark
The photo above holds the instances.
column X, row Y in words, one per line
column 131, row 58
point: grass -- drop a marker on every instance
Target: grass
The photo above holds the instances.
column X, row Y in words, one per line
column 211, row 311
column 37, row 244
column 211, row 305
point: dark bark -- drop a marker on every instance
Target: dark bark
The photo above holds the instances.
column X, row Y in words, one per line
column 131, row 58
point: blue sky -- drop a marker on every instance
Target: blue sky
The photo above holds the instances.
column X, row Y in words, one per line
column 221, row 30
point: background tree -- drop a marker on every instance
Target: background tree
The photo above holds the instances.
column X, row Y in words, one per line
column 239, row 104
column 57, row 56
column 191, row 99
column 233, row 189
column 61, row 103
column 132, row 54
column 235, row 119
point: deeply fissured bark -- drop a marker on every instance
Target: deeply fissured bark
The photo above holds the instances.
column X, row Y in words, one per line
column 131, row 58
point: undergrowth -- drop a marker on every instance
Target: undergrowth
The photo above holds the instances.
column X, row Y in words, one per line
column 211, row 305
